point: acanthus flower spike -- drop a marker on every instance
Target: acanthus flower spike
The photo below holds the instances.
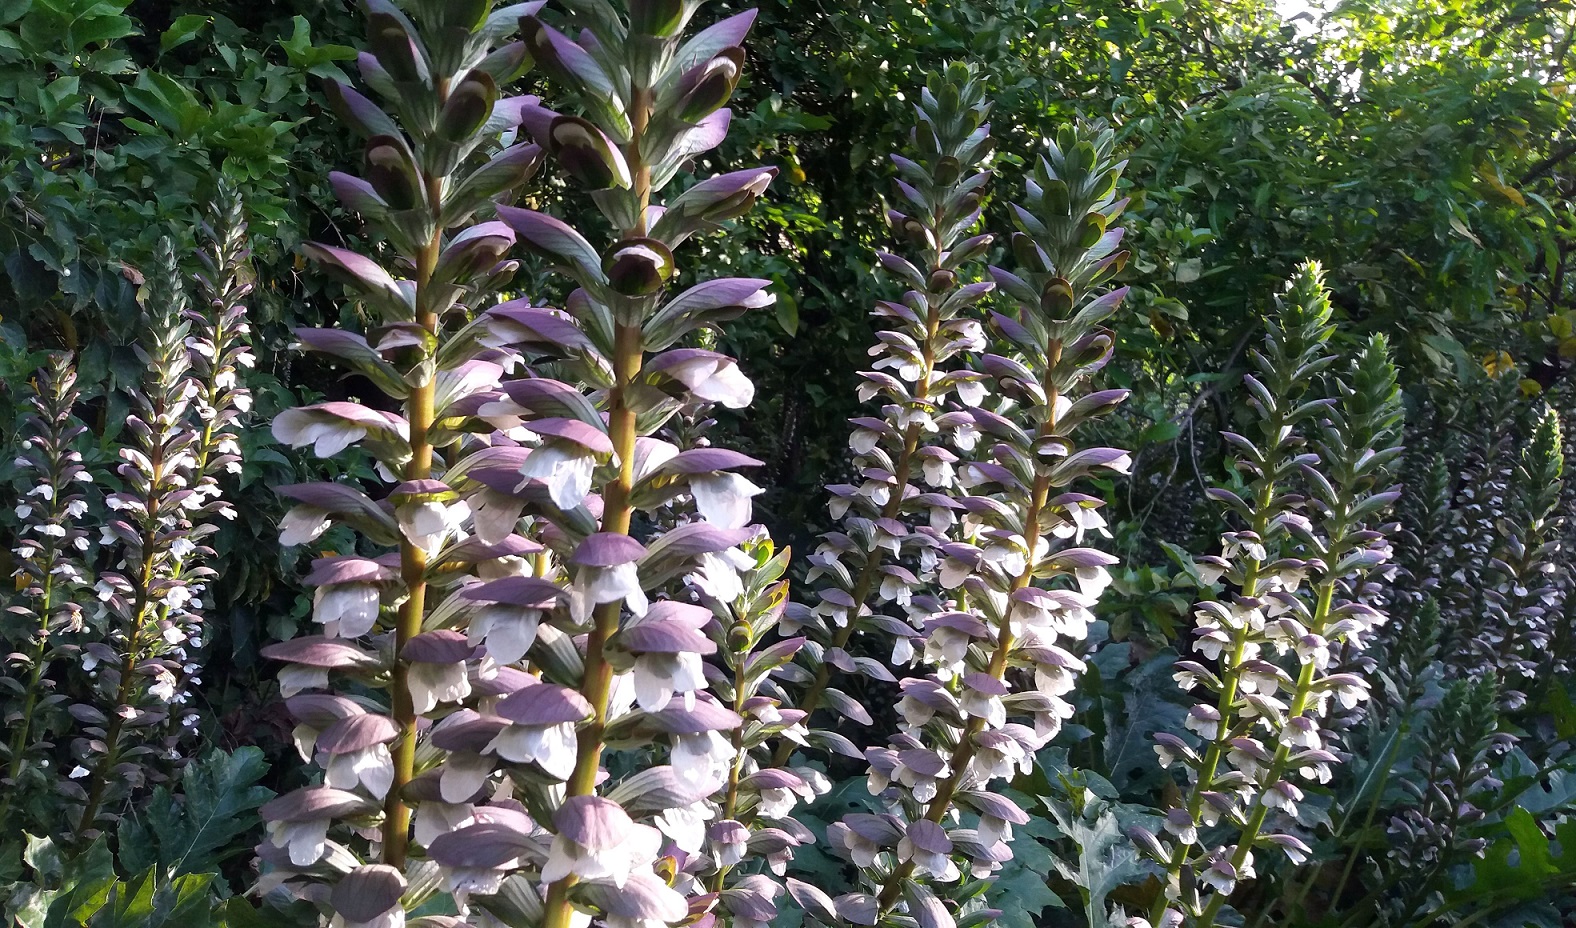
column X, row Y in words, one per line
column 50, row 574
column 1298, row 568
column 1022, row 588
column 526, row 600
column 155, row 525
column 891, row 529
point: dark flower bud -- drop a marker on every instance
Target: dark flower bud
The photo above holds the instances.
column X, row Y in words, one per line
column 468, row 107
column 704, row 89
column 395, row 48
column 587, row 155
column 638, row 266
column 1056, row 300
column 390, row 172
column 947, row 171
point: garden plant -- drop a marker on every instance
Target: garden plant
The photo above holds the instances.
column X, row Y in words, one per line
column 651, row 463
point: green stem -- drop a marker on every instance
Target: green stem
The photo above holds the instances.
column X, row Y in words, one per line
column 598, row 680
column 413, row 565
column 617, row 513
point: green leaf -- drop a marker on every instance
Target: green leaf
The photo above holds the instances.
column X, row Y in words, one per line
column 1106, row 859
column 1159, row 432
column 183, row 30
column 196, row 830
column 787, row 311
column 44, row 857
column 1460, row 228
column 150, row 902
column 169, row 103
column 1563, row 711
column 85, row 883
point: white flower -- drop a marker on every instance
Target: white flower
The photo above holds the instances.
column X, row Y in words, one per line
column 636, row 846
column 429, row 523
column 685, row 826
column 970, row 392
column 658, row 676
column 565, row 467
column 552, row 747
column 326, row 434
column 345, row 610
column 432, row 682
column 372, row 767
column 723, row 498
column 717, row 575
column 702, row 760
column 163, row 688
column 302, row 524
column 508, row 631
column 1205, row 721
column 307, row 841
column 594, row 586
column 713, row 377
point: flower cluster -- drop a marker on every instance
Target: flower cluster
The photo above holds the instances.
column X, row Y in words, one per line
column 528, row 597
column 1297, row 562
column 884, row 556
column 49, row 572
column 1528, row 563
column 1016, row 589
column 1445, row 789
column 154, row 526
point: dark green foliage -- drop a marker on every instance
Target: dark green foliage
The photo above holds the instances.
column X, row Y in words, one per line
column 197, row 827
column 1423, row 156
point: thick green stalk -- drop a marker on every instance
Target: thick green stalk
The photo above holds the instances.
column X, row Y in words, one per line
column 413, row 566
column 598, row 679
column 617, row 513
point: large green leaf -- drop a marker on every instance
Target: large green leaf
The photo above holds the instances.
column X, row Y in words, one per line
column 195, row 829
column 149, row 901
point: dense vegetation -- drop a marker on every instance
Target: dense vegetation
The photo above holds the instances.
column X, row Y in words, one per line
column 1372, row 452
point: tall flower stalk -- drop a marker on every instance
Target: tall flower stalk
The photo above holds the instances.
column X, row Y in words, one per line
column 539, row 618
column 1527, row 566
column 219, row 351
column 49, row 571
column 1002, row 647
column 895, row 519
column 152, row 531
column 1298, row 569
